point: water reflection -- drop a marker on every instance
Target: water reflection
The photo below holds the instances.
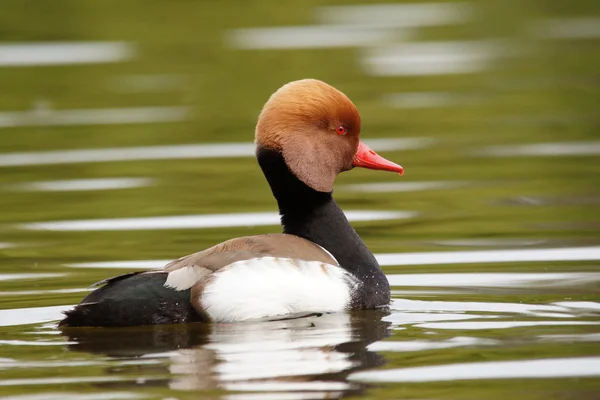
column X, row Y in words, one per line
column 33, row 315
column 77, row 396
column 397, row 259
column 197, row 221
column 313, row 354
column 549, row 368
column 136, row 341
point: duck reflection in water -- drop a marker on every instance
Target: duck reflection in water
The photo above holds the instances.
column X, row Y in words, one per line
column 309, row 354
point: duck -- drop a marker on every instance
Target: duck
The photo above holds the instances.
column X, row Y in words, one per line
column 307, row 133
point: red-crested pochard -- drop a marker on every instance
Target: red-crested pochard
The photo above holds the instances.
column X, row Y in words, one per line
column 307, row 133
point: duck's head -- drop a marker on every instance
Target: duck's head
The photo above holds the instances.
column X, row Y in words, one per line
column 316, row 128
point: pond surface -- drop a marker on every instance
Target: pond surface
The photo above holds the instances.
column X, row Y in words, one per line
column 444, row 344
column 126, row 142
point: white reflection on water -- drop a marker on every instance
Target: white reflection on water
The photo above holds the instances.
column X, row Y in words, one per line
column 292, row 348
column 283, row 396
column 309, row 37
column 41, row 292
column 22, row 316
column 197, row 221
column 409, row 15
column 5, row 364
column 431, row 58
column 492, row 325
column 407, row 344
column 424, row 258
column 76, row 185
column 387, row 187
column 404, row 318
column 472, row 242
column 421, row 345
column 99, row 116
column 62, row 380
column 583, row 337
column 351, row 26
column 32, row 343
column 549, row 368
column 545, row 149
column 568, row 28
column 589, row 305
column 63, row 53
column 291, row 358
column 144, row 83
column 423, row 100
column 310, row 354
column 136, row 264
column 490, row 256
column 12, row 277
column 171, row 152
column 77, row 396
column 405, row 305
column 493, row 279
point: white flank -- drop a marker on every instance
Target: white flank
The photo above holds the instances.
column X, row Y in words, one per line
column 269, row 287
column 31, row 54
column 173, row 152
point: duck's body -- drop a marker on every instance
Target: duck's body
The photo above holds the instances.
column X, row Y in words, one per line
column 319, row 263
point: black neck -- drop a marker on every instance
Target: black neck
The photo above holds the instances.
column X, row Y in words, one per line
column 315, row 216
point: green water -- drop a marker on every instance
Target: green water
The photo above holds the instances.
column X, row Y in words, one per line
column 539, row 90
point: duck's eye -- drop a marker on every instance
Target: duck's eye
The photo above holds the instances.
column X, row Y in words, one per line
column 340, row 130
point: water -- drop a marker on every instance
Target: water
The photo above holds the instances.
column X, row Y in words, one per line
column 136, row 149
column 446, row 338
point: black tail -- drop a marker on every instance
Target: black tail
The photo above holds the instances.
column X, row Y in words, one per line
column 133, row 299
